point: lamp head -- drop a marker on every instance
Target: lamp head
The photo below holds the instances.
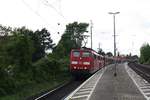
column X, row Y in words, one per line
column 114, row 12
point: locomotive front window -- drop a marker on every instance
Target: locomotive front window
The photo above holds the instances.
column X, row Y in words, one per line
column 76, row 53
column 86, row 54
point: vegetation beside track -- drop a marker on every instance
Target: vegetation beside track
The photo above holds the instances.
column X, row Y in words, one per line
column 145, row 54
column 37, row 88
column 25, row 66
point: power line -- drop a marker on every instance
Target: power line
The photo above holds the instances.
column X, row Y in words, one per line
column 36, row 12
column 46, row 3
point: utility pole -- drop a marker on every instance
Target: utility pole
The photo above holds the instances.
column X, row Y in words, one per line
column 91, row 34
column 114, row 13
column 99, row 46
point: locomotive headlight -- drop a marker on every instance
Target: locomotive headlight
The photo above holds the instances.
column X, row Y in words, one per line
column 74, row 67
column 74, row 62
column 86, row 63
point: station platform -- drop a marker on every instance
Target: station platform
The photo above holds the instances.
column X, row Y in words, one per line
column 120, row 87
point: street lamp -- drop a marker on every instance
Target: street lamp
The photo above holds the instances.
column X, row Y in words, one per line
column 114, row 13
column 91, row 34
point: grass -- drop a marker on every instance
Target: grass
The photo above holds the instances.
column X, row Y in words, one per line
column 38, row 88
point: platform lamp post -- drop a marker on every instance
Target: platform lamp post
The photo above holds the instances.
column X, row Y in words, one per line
column 91, row 34
column 114, row 13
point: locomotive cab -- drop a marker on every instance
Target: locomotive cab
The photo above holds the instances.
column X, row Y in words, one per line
column 80, row 62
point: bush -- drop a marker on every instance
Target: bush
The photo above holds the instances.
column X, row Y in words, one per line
column 148, row 62
column 145, row 53
column 7, row 85
column 64, row 64
column 44, row 69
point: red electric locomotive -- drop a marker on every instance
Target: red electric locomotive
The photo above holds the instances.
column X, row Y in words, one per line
column 85, row 61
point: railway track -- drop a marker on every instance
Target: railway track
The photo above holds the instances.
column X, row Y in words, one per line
column 58, row 93
column 142, row 70
column 71, row 88
column 82, row 88
column 140, row 74
column 64, row 91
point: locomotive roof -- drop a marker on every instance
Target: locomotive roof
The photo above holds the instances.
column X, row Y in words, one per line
column 87, row 49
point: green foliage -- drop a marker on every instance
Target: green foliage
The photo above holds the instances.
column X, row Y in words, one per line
column 23, row 60
column 16, row 56
column 72, row 38
column 40, row 39
column 18, row 49
column 45, row 69
column 148, row 62
column 101, row 52
column 109, row 54
column 42, row 42
column 145, row 53
column 4, row 31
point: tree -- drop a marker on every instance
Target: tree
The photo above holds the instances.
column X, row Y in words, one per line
column 23, row 57
column 42, row 42
column 15, row 59
column 4, row 31
column 4, row 41
column 101, row 52
column 145, row 53
column 18, row 49
column 72, row 38
column 109, row 54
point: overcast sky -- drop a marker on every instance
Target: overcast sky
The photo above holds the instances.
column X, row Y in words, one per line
column 132, row 24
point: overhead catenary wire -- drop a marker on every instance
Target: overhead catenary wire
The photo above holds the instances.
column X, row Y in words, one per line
column 59, row 12
column 37, row 14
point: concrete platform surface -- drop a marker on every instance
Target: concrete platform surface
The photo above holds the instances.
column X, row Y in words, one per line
column 120, row 87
